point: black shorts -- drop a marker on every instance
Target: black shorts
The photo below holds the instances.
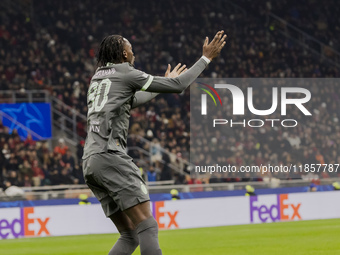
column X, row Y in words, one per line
column 115, row 181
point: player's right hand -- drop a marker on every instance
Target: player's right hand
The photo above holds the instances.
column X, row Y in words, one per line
column 179, row 69
column 212, row 50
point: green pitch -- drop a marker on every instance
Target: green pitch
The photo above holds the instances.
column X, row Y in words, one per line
column 303, row 237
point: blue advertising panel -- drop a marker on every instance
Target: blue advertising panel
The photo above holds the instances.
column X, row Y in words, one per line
column 34, row 118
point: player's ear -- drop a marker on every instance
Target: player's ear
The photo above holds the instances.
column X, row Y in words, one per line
column 125, row 54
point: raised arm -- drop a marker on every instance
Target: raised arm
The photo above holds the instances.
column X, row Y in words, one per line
column 176, row 85
column 141, row 97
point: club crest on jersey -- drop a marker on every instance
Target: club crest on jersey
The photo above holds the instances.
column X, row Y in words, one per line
column 143, row 188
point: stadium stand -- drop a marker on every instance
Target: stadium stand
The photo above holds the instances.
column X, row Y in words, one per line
column 29, row 163
column 54, row 49
column 318, row 20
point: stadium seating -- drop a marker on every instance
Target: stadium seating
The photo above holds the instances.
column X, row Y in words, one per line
column 55, row 50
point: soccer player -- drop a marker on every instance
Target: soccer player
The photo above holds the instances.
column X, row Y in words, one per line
column 110, row 173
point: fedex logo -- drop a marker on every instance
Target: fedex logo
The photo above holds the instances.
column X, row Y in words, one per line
column 165, row 219
column 20, row 227
column 281, row 210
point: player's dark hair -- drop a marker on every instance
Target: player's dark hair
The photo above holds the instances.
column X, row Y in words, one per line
column 111, row 50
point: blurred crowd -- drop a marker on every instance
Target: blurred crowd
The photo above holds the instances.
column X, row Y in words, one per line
column 29, row 163
column 313, row 17
column 52, row 46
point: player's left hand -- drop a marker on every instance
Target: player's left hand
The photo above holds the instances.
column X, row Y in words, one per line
column 179, row 69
